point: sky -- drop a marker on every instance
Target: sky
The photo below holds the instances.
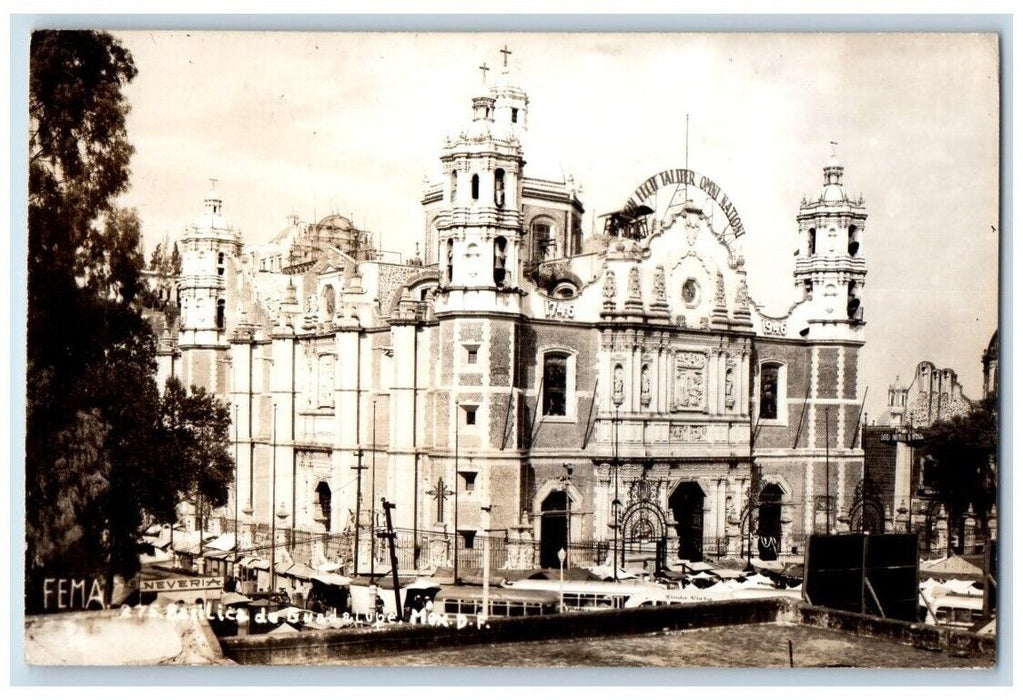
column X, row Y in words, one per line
column 317, row 123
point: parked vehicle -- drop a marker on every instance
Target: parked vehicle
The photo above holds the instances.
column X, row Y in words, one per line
column 502, row 602
column 597, row 595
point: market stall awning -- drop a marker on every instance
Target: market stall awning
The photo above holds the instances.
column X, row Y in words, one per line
column 215, row 554
column 224, row 542
column 953, row 566
column 332, row 579
column 299, row 571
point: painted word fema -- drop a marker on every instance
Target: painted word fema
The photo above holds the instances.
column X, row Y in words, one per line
column 70, row 593
column 775, row 327
column 558, row 309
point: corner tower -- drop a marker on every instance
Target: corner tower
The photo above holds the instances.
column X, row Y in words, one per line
column 209, row 248
column 830, row 268
column 479, row 223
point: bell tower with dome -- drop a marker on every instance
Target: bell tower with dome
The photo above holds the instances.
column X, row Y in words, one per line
column 830, row 268
column 479, row 223
column 209, row 249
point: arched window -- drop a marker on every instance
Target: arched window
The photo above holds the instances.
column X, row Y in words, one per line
column 500, row 257
column 555, row 384
column 853, row 305
column 220, row 264
column 499, row 187
column 220, row 314
column 769, row 522
column 328, row 302
column 769, row 391
column 812, row 242
column 454, row 185
column 323, row 497
column 854, row 241
column 472, row 254
column 475, row 187
column 543, row 241
column 450, row 260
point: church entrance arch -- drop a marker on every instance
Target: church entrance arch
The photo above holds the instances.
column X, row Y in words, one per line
column 686, row 504
column 553, row 528
column 644, row 532
column 867, row 511
column 769, row 522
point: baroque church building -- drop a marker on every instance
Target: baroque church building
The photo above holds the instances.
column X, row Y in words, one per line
column 619, row 393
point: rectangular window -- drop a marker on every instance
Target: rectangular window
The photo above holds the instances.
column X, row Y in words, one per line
column 769, row 392
column 469, row 478
column 471, row 356
column 470, row 415
column 555, row 377
column 468, row 538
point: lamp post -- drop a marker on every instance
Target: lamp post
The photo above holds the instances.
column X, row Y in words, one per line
column 566, row 481
column 561, row 585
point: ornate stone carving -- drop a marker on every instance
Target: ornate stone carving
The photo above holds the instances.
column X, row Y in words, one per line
column 742, row 296
column 719, row 294
column 659, row 289
column 609, row 285
column 688, row 385
column 618, row 395
column 685, row 432
column 634, row 289
column 730, row 384
column 644, row 386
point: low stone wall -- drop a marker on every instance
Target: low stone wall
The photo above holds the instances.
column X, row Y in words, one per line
column 113, row 638
column 322, row 646
column 944, row 639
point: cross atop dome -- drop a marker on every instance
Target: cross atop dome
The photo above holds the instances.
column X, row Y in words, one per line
column 833, row 171
column 483, row 70
column 506, row 53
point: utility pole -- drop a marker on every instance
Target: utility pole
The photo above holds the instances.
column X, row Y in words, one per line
column 616, row 504
column 486, row 560
column 273, row 502
column 455, row 487
column 373, row 497
column 389, row 536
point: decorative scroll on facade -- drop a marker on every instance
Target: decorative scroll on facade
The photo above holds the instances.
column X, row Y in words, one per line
column 689, row 385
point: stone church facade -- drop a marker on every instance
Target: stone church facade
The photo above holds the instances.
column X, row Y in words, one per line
column 618, row 392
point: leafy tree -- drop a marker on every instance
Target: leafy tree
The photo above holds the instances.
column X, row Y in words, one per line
column 82, row 281
column 156, row 259
column 98, row 452
column 175, row 260
column 962, row 453
column 194, row 438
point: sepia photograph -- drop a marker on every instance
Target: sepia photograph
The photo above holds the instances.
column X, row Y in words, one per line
column 543, row 350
